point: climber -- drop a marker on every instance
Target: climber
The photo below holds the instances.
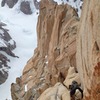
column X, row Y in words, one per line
column 73, row 87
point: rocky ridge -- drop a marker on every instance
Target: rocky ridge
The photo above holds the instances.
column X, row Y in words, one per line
column 6, row 46
column 67, row 50
column 24, row 5
column 54, row 55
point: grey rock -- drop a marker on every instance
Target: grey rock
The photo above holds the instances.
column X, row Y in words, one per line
column 6, row 46
column 10, row 3
column 3, row 76
column 25, row 7
column 3, row 3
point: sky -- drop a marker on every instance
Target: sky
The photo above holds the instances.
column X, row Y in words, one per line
column 22, row 29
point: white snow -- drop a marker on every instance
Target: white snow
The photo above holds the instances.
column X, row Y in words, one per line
column 59, row 1
column 1, row 31
column 46, row 62
column 42, row 78
column 25, row 87
column 3, row 69
column 22, row 29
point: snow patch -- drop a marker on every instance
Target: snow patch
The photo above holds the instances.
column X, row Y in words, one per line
column 1, row 32
column 22, row 29
column 46, row 62
column 26, row 88
column 2, row 43
column 41, row 78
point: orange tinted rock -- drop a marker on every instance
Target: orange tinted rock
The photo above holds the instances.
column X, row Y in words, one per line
column 88, row 45
column 56, row 49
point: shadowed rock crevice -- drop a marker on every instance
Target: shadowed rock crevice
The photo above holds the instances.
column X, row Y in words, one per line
column 25, row 7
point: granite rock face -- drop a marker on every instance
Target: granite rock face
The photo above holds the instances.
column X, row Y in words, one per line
column 25, row 7
column 88, row 49
column 55, row 52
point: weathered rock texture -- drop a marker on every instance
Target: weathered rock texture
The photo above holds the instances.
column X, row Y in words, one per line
column 54, row 55
column 6, row 46
column 88, row 49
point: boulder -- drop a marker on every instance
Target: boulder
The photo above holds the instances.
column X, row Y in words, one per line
column 58, row 92
column 72, row 76
column 25, row 7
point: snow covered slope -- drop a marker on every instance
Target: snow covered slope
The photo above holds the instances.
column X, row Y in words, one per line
column 22, row 29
